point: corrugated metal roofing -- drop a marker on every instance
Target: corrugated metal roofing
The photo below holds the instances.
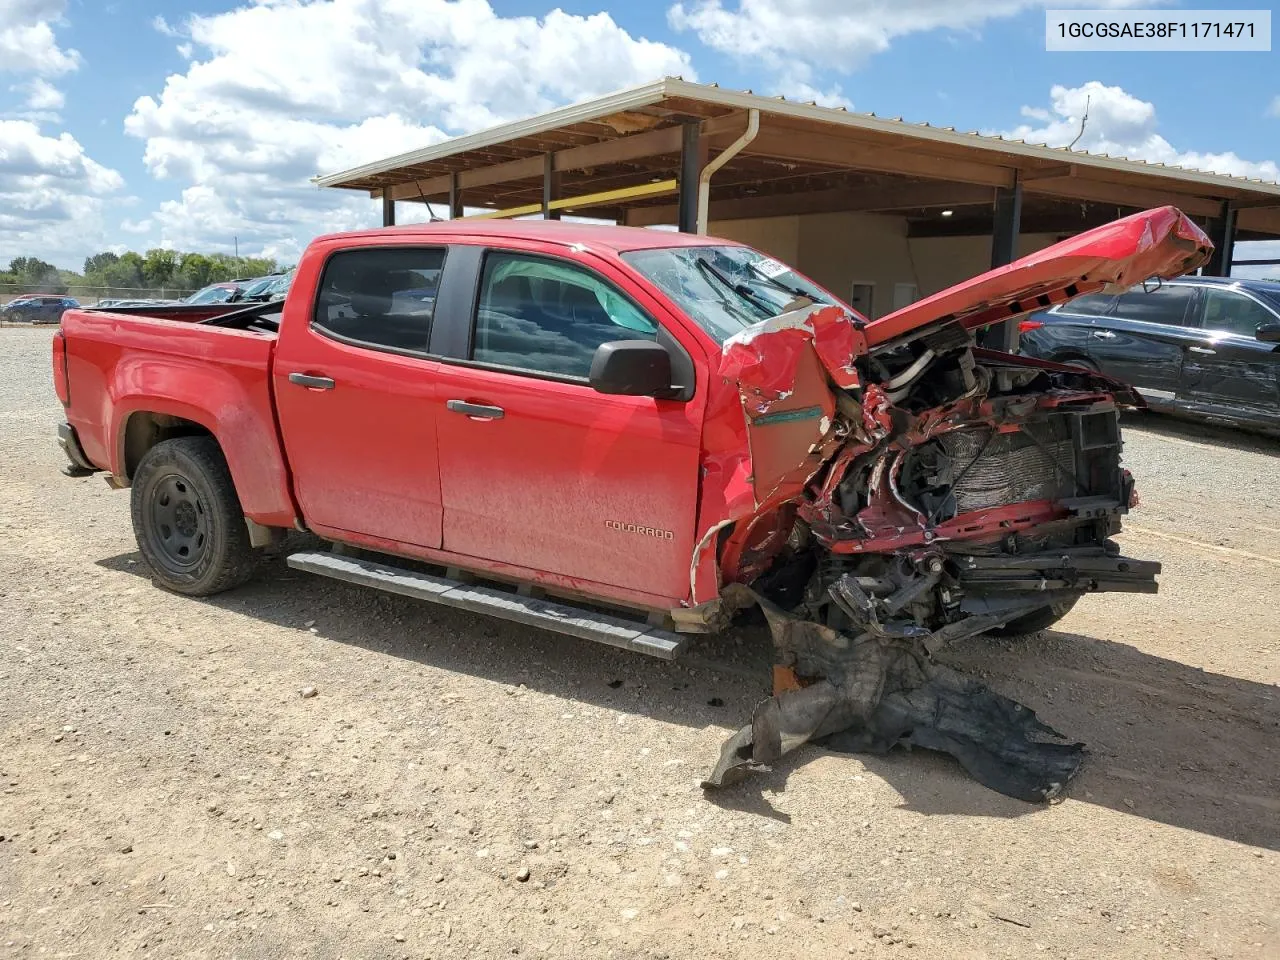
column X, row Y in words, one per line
column 670, row 88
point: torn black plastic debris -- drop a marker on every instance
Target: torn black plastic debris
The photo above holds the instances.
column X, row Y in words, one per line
column 878, row 691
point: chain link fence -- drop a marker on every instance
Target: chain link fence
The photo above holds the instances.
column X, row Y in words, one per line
column 89, row 296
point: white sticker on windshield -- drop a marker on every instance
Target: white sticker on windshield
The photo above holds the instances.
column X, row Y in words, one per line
column 771, row 268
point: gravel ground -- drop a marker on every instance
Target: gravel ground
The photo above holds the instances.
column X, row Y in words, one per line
column 463, row 787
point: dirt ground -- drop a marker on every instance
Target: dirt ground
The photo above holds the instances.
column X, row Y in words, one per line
column 168, row 793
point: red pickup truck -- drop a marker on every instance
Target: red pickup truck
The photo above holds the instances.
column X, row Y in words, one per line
column 515, row 417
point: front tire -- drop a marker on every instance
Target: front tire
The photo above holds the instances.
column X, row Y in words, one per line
column 1036, row 620
column 188, row 520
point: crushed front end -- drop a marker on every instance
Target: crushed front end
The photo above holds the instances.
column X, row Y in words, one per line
column 905, row 489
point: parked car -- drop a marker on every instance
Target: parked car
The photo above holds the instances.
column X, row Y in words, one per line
column 1203, row 346
column 216, row 292
column 253, row 289
column 672, row 426
column 41, row 308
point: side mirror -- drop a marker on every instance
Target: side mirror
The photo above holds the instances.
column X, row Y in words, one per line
column 636, row 368
column 1268, row 332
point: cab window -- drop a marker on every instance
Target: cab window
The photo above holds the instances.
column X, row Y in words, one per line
column 549, row 316
column 380, row 297
column 1167, row 304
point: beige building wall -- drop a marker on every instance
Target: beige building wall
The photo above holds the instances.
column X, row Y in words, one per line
column 841, row 249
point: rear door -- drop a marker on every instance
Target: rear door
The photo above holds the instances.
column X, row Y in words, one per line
column 539, row 470
column 355, row 389
column 1229, row 366
column 1144, row 338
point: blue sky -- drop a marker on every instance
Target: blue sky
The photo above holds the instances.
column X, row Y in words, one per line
column 142, row 123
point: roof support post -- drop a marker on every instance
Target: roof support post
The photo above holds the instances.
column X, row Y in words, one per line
column 388, row 208
column 1222, row 231
column 1004, row 250
column 455, row 198
column 550, row 187
column 693, row 155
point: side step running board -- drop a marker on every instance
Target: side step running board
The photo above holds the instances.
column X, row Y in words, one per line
column 535, row 612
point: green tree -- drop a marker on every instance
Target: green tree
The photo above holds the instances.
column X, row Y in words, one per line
column 99, row 262
column 36, row 275
column 158, row 267
column 194, row 271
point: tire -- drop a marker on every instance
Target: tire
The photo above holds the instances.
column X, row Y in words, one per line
column 1081, row 362
column 1036, row 620
column 188, row 520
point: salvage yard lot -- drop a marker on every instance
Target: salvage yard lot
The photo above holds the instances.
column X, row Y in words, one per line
column 168, row 792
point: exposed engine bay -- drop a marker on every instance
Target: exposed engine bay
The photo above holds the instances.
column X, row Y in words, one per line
column 947, row 491
column 983, row 490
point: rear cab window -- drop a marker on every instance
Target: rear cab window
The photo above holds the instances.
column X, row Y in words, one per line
column 380, row 297
column 548, row 316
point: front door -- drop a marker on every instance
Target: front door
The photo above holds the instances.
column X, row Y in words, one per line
column 539, row 470
column 355, row 392
column 1229, row 366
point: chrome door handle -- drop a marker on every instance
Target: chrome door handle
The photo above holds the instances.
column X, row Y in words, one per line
column 1201, row 350
column 477, row 411
column 1104, row 335
column 314, row 383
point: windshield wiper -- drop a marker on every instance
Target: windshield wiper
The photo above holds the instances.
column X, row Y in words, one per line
column 741, row 289
column 778, row 284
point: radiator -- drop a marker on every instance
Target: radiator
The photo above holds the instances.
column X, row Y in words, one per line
column 1037, row 463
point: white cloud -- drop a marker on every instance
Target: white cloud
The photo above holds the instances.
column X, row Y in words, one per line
column 244, row 128
column 1274, row 109
column 42, row 95
column 52, row 195
column 793, row 37
column 162, row 26
column 135, row 226
column 1121, row 125
column 27, row 42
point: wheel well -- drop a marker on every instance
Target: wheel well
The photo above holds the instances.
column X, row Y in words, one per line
column 145, row 429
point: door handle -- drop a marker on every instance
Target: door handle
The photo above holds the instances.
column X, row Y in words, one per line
column 477, row 411
column 1104, row 335
column 314, row 383
column 1201, row 350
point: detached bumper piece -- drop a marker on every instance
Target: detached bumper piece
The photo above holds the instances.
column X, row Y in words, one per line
column 79, row 465
column 1052, row 573
column 880, row 690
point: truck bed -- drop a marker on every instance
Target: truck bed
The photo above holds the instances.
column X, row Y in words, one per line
column 132, row 373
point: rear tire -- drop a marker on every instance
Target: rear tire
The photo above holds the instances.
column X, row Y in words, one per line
column 188, row 520
column 1036, row 620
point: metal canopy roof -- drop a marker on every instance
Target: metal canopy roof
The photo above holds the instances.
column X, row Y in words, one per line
column 806, row 158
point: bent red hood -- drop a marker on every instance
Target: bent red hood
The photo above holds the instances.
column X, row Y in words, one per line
column 1155, row 243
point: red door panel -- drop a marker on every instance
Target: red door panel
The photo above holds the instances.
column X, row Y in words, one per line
column 363, row 453
column 568, row 480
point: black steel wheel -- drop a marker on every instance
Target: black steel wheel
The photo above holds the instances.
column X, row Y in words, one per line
column 188, row 520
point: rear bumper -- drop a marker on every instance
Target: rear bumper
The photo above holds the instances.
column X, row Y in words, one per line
column 70, row 443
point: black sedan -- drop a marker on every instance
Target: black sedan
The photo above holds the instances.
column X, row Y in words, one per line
column 1205, row 346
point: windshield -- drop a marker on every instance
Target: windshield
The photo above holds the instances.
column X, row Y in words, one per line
column 726, row 289
column 280, row 286
column 211, row 295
